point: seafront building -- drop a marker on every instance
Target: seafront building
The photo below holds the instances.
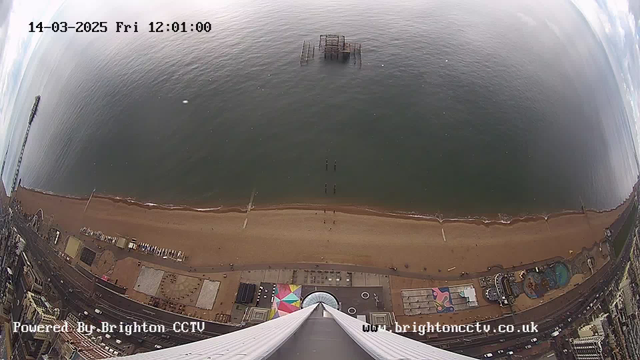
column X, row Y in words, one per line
column 624, row 306
column 32, row 280
column 74, row 345
column 36, row 311
column 588, row 348
column 595, row 328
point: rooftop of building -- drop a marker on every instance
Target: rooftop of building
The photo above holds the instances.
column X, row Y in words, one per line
column 41, row 303
column 83, row 345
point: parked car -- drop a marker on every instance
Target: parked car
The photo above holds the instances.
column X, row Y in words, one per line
column 98, row 311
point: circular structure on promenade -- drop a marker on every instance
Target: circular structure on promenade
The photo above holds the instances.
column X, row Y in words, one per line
column 320, row 297
column 364, row 295
column 352, row 311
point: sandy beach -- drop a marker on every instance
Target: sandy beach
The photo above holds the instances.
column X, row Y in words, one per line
column 350, row 236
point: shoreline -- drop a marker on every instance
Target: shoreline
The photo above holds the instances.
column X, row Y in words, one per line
column 343, row 208
column 296, row 234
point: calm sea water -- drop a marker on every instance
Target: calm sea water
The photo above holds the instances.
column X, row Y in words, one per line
column 460, row 107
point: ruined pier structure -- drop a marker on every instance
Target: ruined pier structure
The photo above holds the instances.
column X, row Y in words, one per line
column 333, row 47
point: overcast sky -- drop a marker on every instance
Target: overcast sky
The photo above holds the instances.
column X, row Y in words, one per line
column 16, row 47
column 617, row 24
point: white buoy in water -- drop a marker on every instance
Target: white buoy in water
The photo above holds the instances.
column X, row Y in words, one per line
column 185, row 101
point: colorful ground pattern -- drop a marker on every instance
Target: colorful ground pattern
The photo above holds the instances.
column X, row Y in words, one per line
column 286, row 300
column 442, row 299
column 537, row 284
